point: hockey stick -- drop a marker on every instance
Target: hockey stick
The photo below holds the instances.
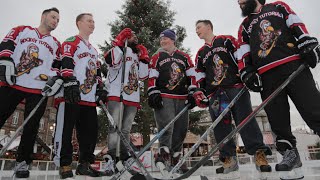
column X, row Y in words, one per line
column 156, row 137
column 16, row 134
column 125, row 142
column 242, row 124
column 121, row 98
column 204, row 135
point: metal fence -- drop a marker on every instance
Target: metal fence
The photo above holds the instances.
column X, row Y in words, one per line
column 44, row 166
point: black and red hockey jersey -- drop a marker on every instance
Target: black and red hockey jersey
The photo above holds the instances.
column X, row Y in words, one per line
column 268, row 38
column 36, row 57
column 216, row 64
column 172, row 74
column 80, row 59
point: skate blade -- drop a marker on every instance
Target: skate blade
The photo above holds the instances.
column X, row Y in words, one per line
column 291, row 175
column 230, row 176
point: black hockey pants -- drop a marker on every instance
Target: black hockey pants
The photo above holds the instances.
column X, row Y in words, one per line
column 302, row 91
column 9, row 100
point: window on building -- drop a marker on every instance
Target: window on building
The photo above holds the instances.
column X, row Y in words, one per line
column 15, row 118
column 41, row 124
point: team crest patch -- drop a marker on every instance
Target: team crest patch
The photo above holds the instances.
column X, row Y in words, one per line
column 220, row 70
column 132, row 81
column 29, row 60
column 91, row 73
column 176, row 76
column 269, row 37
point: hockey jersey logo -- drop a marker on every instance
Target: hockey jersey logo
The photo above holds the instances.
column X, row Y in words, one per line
column 132, row 81
column 219, row 69
column 176, row 76
column 29, row 60
column 91, row 73
column 268, row 36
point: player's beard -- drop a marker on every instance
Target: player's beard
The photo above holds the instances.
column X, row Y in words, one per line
column 49, row 27
column 249, row 7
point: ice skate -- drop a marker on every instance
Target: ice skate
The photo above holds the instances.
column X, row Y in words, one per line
column 87, row 170
column 229, row 169
column 110, row 166
column 262, row 164
column 65, row 172
column 21, row 170
column 290, row 166
column 163, row 161
column 175, row 159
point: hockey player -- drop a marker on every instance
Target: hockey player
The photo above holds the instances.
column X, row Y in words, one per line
column 136, row 69
column 172, row 75
column 28, row 57
column 218, row 72
column 82, row 88
column 274, row 42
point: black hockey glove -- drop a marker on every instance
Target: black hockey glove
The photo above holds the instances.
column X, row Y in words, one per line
column 190, row 99
column 154, row 98
column 8, row 71
column 71, row 90
column 309, row 50
column 101, row 94
column 53, row 86
column 251, row 78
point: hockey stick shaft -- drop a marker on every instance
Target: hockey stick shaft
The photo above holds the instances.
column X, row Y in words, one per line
column 156, row 137
column 212, row 126
column 16, row 134
column 242, row 124
column 121, row 96
column 125, row 142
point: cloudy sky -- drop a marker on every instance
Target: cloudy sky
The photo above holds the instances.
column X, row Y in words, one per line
column 225, row 14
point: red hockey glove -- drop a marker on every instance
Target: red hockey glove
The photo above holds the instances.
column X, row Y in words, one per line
column 122, row 36
column 309, row 50
column 143, row 53
column 197, row 97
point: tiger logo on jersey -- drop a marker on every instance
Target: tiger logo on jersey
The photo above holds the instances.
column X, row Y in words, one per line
column 220, row 70
column 268, row 36
column 91, row 73
column 132, row 81
column 29, row 60
column 176, row 76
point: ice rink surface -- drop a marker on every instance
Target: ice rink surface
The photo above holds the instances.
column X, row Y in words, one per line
column 311, row 170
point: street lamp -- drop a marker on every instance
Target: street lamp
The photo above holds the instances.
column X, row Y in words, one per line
column 53, row 129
